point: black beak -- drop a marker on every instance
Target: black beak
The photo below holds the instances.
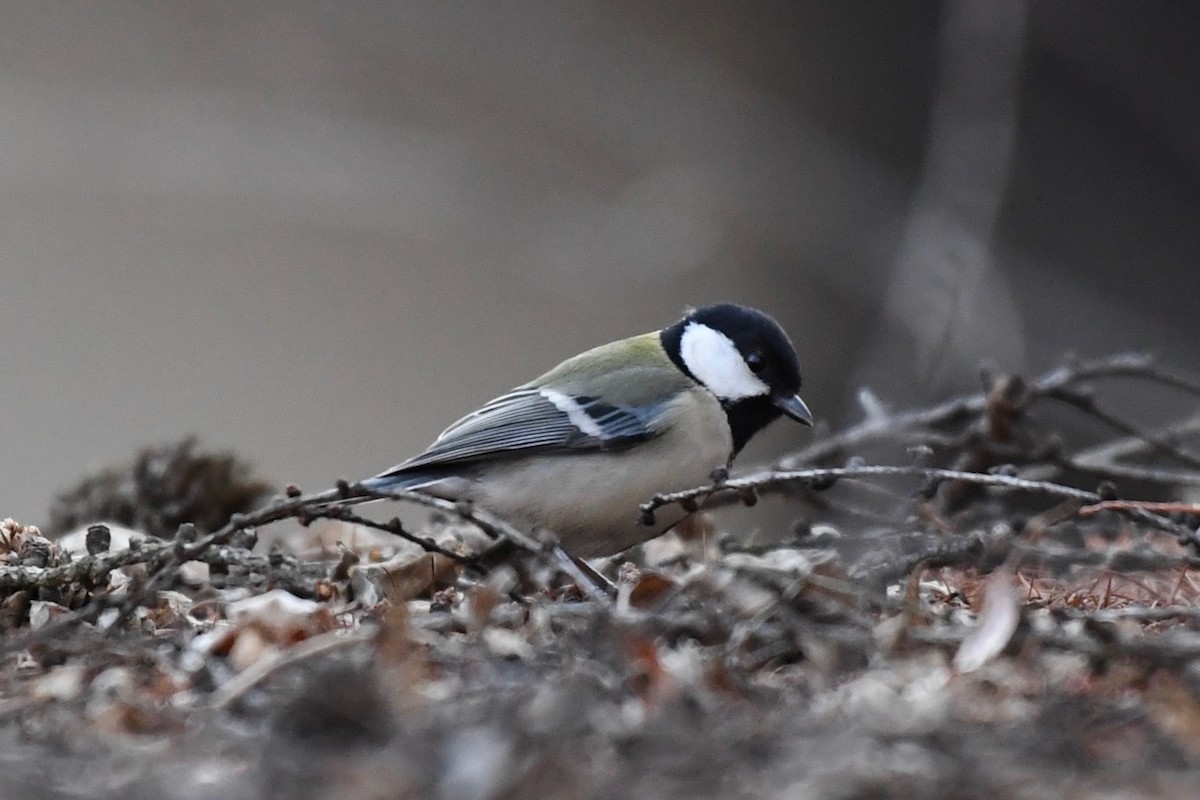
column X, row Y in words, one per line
column 794, row 407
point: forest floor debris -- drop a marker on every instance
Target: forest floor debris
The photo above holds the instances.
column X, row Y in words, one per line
column 918, row 634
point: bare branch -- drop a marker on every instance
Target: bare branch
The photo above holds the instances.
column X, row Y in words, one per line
column 967, row 407
column 746, row 487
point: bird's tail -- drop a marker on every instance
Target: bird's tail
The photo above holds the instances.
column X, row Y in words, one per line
column 346, row 495
column 403, row 481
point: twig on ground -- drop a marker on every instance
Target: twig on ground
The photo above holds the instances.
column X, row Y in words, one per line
column 970, row 406
column 967, row 407
column 940, row 551
column 1140, row 505
column 393, row 527
column 782, row 479
column 1131, row 472
column 1106, row 460
column 1088, row 405
column 550, row 554
column 745, row 487
column 163, row 558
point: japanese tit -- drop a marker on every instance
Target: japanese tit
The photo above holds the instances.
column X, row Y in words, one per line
column 579, row 448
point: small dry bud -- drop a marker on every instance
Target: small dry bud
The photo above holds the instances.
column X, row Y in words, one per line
column 98, row 539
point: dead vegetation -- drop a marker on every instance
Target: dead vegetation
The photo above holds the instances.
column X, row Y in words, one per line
column 1001, row 611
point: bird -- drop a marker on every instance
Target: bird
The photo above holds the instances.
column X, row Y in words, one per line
column 577, row 449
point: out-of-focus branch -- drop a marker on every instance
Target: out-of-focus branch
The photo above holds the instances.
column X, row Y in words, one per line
column 879, row 427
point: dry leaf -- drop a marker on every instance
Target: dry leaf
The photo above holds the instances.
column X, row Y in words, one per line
column 996, row 626
column 42, row 611
column 14, row 610
column 1175, row 711
column 263, row 622
column 249, row 646
column 403, row 664
column 508, row 644
column 63, row 682
column 402, row 578
column 485, row 597
column 276, row 611
column 649, row 590
column 650, row 679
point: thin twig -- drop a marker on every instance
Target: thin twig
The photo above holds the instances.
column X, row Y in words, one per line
column 1129, row 472
column 1111, row 453
column 1140, row 505
column 393, row 527
column 777, row 480
column 488, row 523
column 728, row 491
column 967, row 407
column 1089, row 406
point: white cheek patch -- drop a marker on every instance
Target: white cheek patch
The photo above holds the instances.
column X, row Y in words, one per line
column 716, row 362
column 577, row 416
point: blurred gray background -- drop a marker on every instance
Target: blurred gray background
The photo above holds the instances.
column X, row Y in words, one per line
column 316, row 233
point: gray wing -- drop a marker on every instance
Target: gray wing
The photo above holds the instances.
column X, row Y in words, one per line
column 536, row 420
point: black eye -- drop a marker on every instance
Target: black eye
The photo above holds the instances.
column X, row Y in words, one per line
column 755, row 362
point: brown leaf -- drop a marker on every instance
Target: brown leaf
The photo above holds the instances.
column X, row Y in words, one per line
column 650, row 679
column 649, row 590
column 14, row 610
column 481, row 602
column 402, row 578
column 403, row 663
column 250, row 645
column 264, row 623
column 280, row 615
column 1175, row 711
column 719, row 680
column 698, row 527
column 43, row 611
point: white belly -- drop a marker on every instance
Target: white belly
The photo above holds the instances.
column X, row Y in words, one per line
column 591, row 500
